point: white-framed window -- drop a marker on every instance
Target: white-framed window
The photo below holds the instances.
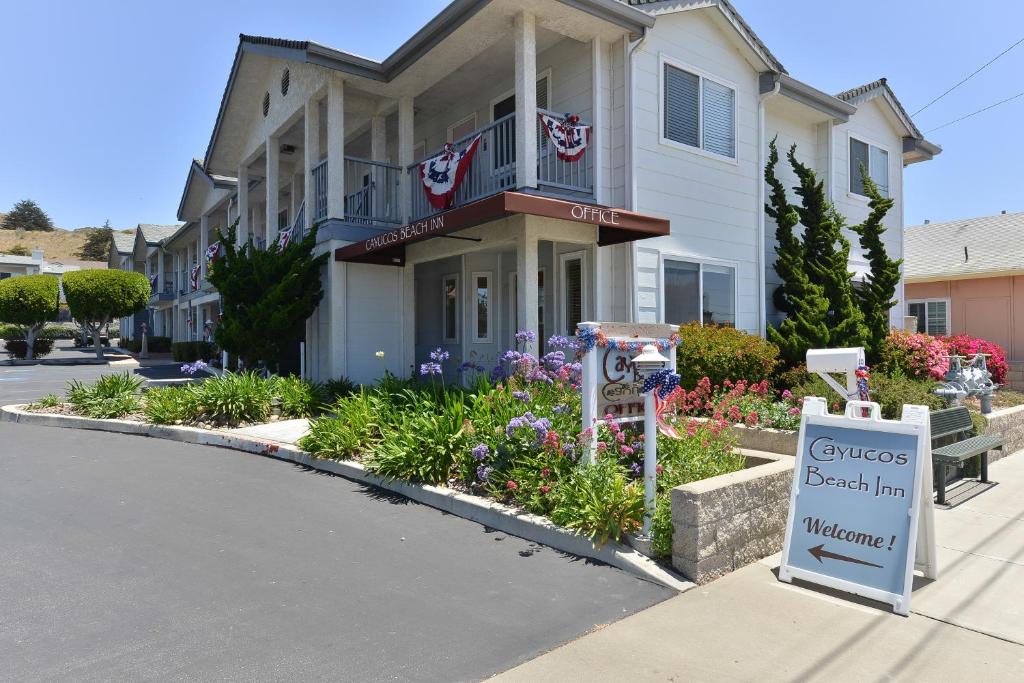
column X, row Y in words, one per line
column 482, row 307
column 932, row 315
column 872, row 157
column 698, row 111
column 698, row 291
column 572, row 268
column 450, row 308
column 462, row 128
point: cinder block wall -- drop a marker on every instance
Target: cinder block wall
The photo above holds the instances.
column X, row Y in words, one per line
column 727, row 522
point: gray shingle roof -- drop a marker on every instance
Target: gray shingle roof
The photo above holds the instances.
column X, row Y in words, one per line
column 154, row 233
column 882, row 87
column 124, row 242
column 936, row 251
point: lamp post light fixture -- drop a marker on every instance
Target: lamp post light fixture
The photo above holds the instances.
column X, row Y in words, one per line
column 648, row 362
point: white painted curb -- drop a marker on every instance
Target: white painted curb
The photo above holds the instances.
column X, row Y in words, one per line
column 481, row 510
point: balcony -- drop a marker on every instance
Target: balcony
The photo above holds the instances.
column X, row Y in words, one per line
column 372, row 188
column 165, row 289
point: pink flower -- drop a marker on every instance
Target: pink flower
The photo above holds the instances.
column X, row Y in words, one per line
column 626, row 450
column 658, row 469
column 787, row 394
column 545, row 488
column 734, row 414
column 511, row 485
column 794, row 411
column 620, row 437
column 602, row 446
column 753, row 418
column 545, row 473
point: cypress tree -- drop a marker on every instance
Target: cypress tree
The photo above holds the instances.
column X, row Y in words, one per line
column 877, row 296
column 788, row 249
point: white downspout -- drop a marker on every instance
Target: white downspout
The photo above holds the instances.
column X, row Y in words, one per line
column 630, row 166
column 762, row 159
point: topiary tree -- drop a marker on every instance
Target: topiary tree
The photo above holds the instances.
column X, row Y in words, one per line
column 96, row 297
column 266, row 297
column 32, row 301
column 878, row 295
column 26, row 215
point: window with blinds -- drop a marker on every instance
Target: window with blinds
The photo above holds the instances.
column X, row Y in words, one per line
column 875, row 160
column 482, row 311
column 698, row 112
column 572, row 292
column 450, row 298
column 931, row 316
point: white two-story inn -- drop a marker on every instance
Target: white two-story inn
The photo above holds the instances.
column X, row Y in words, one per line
column 644, row 204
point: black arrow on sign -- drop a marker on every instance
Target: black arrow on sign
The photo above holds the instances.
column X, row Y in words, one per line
column 819, row 552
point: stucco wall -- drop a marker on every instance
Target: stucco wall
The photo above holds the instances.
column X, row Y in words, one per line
column 990, row 307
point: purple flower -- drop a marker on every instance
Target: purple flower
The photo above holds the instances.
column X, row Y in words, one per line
column 559, row 341
column 498, row 374
column 470, row 365
column 561, row 408
column 439, row 355
column 637, row 469
column 481, row 451
column 523, row 396
column 527, row 336
column 430, row 369
column 193, row 368
column 483, row 472
column 569, row 450
column 553, row 360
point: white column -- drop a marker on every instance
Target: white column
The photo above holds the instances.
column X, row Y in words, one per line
column 273, row 185
column 311, row 152
column 243, row 204
column 204, row 242
column 526, row 278
column 526, row 100
column 406, row 131
column 159, row 270
column 601, row 91
column 336, row 148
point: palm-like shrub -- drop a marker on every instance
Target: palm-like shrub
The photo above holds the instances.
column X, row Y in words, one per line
column 170, row 405
column 600, row 500
column 233, row 399
column 299, row 398
column 110, row 396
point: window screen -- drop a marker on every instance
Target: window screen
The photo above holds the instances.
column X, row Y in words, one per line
column 573, row 274
column 719, row 297
column 719, row 119
column 682, row 99
column 682, row 292
column 858, row 159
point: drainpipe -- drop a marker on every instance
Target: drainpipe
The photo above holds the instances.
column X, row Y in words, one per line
column 762, row 159
column 630, row 165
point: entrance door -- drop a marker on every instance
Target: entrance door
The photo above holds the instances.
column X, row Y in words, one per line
column 482, row 336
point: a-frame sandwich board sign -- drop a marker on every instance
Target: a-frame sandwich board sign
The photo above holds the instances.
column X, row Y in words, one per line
column 860, row 515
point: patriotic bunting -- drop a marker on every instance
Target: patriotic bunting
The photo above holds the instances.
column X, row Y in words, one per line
column 152, row 284
column 442, row 174
column 213, row 252
column 284, row 238
column 567, row 135
column 194, row 277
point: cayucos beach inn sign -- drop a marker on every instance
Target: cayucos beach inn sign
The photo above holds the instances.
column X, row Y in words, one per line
column 861, row 493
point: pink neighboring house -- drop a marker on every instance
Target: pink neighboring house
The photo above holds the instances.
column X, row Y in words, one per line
column 967, row 277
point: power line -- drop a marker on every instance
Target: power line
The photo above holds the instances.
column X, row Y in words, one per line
column 975, row 73
column 967, row 116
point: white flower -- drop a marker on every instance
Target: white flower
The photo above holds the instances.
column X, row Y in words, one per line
column 379, row 354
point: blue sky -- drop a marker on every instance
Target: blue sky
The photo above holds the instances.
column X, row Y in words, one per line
column 106, row 102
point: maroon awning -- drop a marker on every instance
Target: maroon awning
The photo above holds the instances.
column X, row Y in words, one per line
column 614, row 225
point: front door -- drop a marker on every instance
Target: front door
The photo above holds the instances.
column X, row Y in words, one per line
column 483, row 342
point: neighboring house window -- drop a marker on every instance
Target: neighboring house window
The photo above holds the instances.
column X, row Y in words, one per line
column 4, row 276
column 573, row 282
column 698, row 111
column 699, row 292
column 450, row 292
column 875, row 160
column 932, row 315
column 482, row 307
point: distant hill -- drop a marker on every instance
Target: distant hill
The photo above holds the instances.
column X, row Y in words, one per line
column 56, row 245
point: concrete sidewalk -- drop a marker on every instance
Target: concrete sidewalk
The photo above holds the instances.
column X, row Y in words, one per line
column 969, row 624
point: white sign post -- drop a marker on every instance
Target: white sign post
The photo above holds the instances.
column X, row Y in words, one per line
column 860, row 510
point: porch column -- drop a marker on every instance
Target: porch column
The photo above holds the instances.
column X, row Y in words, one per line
column 526, row 100
column 526, row 279
column 311, row 152
column 406, row 131
column 273, row 185
column 601, row 91
column 336, row 148
column 243, row 203
column 204, row 242
column 378, row 140
column 159, row 270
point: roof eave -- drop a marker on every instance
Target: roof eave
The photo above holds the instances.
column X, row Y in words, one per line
column 916, row 150
column 799, row 91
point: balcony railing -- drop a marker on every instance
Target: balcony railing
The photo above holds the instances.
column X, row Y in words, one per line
column 299, row 226
column 372, row 191
column 320, row 191
column 493, row 169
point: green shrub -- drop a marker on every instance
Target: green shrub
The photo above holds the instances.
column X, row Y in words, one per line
column 97, row 297
column 187, row 352
column 48, row 401
column 335, row 389
column 354, row 430
column 721, row 353
column 17, row 348
column 600, row 501
column 298, row 397
column 233, row 399
column 11, row 331
column 153, row 344
column 110, row 396
column 170, row 405
column 891, row 392
column 424, row 439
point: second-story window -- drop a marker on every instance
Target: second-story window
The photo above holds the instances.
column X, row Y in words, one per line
column 698, row 111
column 875, row 160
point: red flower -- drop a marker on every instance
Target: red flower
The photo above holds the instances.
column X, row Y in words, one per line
column 545, row 488
column 658, row 469
column 545, row 473
column 511, row 485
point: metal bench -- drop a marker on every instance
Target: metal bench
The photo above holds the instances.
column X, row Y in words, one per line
column 954, row 442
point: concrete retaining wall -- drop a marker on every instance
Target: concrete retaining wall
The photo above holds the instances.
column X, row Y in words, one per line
column 762, row 439
column 1008, row 423
column 729, row 521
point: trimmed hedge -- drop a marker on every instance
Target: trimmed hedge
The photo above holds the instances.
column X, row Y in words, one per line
column 187, row 352
column 154, row 344
column 16, row 348
column 721, row 353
